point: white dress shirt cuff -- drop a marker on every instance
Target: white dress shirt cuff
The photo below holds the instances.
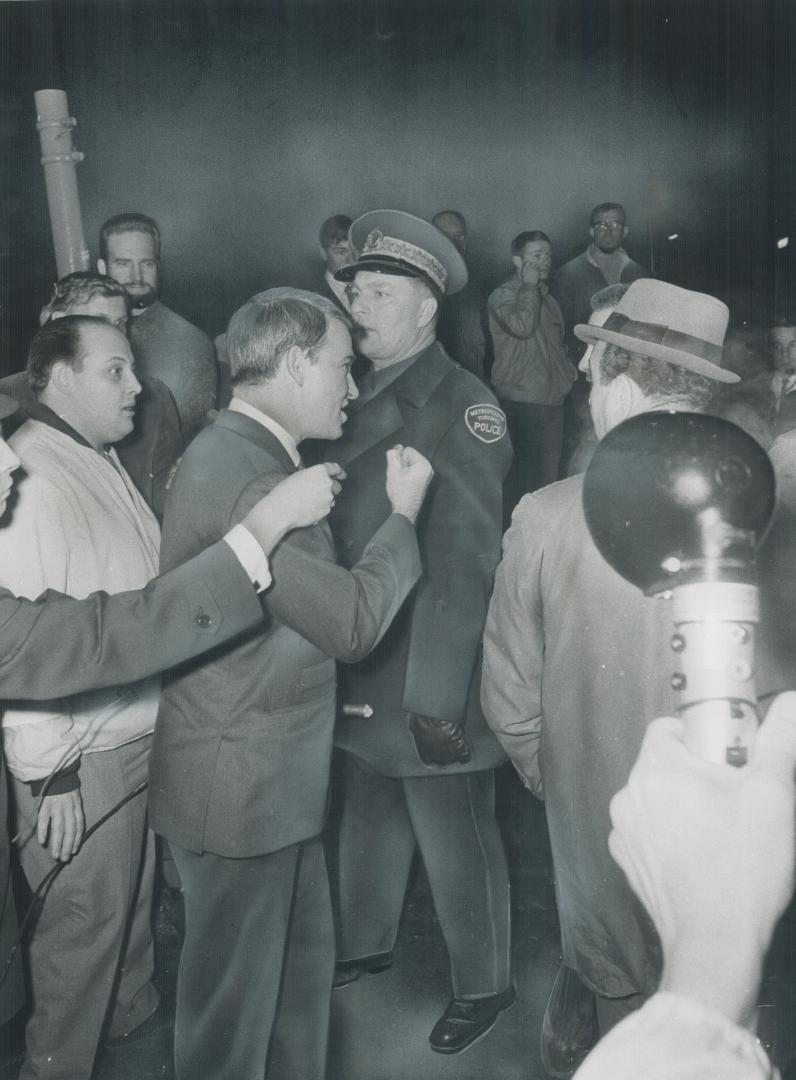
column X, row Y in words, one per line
column 251, row 556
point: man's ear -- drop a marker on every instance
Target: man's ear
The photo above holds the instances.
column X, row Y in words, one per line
column 295, row 361
column 102, row 267
column 517, row 261
column 62, row 376
column 625, row 231
column 592, row 232
column 428, row 309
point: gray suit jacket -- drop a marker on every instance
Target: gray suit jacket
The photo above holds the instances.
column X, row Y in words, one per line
column 240, row 762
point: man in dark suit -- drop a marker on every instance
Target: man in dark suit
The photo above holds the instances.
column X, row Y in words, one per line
column 240, row 762
column 420, row 772
column 58, row 645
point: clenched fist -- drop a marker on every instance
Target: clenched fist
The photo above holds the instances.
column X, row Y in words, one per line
column 408, row 477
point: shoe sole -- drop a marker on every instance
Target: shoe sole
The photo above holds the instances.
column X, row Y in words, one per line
column 475, row 1038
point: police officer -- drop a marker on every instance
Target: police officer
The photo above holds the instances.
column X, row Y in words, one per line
column 420, row 771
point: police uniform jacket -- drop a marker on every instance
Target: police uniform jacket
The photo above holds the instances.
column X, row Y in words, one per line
column 428, row 662
column 240, row 759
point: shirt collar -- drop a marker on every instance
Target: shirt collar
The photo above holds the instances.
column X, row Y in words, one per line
column 238, row 405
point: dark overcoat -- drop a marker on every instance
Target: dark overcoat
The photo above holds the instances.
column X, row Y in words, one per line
column 429, row 661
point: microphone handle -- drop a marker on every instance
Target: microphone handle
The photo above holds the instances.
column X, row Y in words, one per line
column 713, row 648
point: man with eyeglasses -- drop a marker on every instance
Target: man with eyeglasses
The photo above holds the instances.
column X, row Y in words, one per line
column 604, row 262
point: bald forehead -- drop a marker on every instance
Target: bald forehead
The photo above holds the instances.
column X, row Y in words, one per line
column 102, row 335
column 449, row 220
column 113, row 309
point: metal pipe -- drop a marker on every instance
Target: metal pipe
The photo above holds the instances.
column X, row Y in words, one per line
column 59, row 159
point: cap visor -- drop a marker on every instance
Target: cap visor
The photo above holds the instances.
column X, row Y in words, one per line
column 376, row 265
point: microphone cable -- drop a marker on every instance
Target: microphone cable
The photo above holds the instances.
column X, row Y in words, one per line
column 40, row 892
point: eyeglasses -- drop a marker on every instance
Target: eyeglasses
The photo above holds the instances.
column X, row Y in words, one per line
column 606, row 226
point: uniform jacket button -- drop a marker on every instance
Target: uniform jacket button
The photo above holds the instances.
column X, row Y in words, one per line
column 204, row 620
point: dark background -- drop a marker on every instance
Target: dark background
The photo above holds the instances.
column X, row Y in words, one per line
column 241, row 126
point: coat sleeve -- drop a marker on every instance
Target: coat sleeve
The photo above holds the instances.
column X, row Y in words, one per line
column 345, row 613
column 34, row 555
column 57, row 645
column 511, row 679
column 459, row 530
column 517, row 313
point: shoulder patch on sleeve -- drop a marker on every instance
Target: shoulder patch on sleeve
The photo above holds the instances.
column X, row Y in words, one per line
column 487, row 422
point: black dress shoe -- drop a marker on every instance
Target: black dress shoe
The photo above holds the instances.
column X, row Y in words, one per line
column 569, row 1028
column 467, row 1019
column 348, row 971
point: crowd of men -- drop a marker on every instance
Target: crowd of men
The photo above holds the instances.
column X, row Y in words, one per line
column 369, row 602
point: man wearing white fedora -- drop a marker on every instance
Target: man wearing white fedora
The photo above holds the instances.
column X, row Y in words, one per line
column 572, row 663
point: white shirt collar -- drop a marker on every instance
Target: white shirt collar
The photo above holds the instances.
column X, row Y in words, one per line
column 286, row 439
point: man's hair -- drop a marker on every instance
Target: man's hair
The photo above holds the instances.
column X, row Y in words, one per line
column 604, row 207
column 333, row 230
column 128, row 223
column 608, row 297
column 658, row 378
column 268, row 325
column 446, row 214
column 81, row 288
column 61, row 339
column 528, row 237
column 785, row 322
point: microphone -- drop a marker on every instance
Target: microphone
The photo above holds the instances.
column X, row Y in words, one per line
column 677, row 504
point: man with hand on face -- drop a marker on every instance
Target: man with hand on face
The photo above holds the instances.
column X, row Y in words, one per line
column 240, row 764
column 531, row 372
column 164, row 344
column 420, row 771
column 78, row 525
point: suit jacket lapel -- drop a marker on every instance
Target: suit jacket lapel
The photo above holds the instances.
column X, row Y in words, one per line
column 255, row 433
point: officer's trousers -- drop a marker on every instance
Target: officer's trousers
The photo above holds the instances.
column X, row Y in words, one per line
column 452, row 821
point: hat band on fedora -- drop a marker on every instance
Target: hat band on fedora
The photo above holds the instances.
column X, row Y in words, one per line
column 655, row 334
column 377, row 244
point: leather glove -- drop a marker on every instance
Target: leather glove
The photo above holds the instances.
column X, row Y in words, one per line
column 439, row 742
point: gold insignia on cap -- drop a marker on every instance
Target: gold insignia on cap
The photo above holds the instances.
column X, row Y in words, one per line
column 379, row 244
